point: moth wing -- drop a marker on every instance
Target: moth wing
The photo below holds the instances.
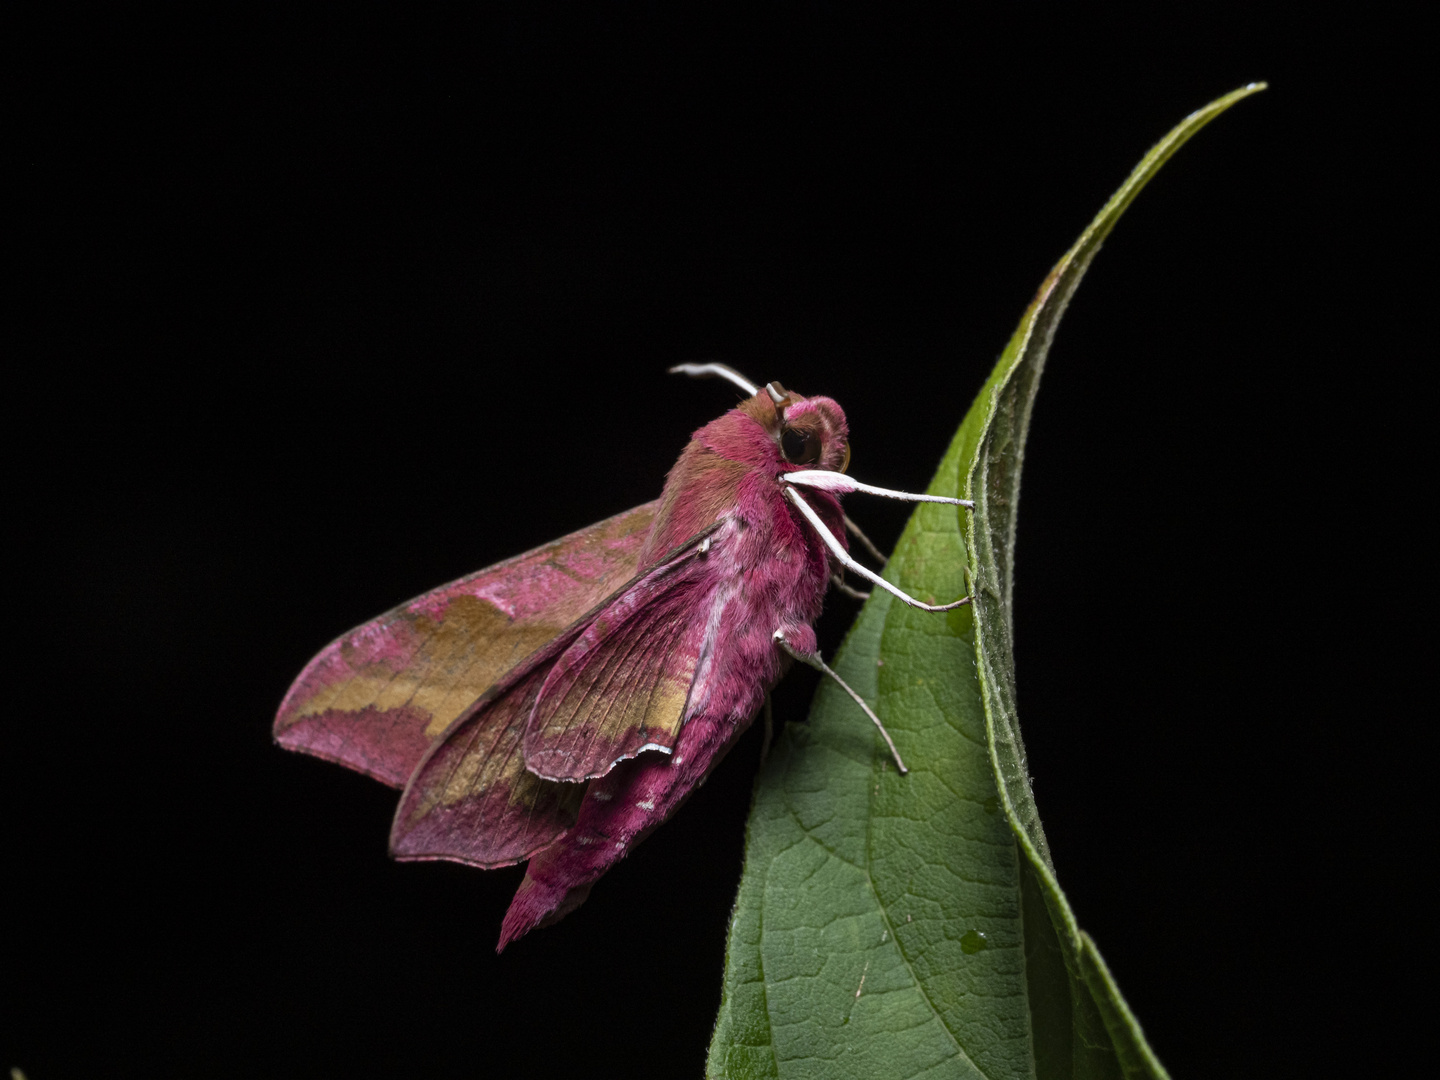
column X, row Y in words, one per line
column 475, row 797
column 622, row 686
column 471, row 798
column 376, row 698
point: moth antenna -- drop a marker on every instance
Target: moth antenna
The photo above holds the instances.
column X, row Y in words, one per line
column 826, row 480
column 839, row 583
column 846, row 559
column 775, row 395
column 865, row 540
column 813, row 660
column 724, row 371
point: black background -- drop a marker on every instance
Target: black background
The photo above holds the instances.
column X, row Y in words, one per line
column 318, row 312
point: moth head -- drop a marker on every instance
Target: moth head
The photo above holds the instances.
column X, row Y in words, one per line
column 793, row 432
column 811, row 432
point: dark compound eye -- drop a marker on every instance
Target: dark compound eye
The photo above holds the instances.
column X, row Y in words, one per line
column 800, row 448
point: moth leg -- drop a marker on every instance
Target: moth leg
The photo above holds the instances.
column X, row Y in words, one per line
column 813, row 660
column 865, row 541
column 848, row 590
column 826, row 480
column 769, row 728
column 847, row 560
column 724, row 371
column 838, row 578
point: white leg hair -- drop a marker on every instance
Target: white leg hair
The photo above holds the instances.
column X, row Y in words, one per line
column 813, row 660
column 724, row 371
column 846, row 559
column 826, row 480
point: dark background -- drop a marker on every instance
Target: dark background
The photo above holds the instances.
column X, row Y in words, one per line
column 317, row 313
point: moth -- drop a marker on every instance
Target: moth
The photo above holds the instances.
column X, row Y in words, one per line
column 560, row 705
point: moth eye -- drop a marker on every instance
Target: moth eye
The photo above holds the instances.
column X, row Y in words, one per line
column 799, row 447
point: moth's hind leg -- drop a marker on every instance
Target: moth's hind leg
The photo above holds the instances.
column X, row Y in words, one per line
column 811, row 657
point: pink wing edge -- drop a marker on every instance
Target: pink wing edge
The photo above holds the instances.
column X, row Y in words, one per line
column 387, row 744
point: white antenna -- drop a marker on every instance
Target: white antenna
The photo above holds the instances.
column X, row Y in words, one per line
column 724, row 371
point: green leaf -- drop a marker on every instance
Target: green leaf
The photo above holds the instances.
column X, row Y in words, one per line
column 911, row 926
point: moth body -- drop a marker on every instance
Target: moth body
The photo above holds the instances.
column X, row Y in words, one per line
column 559, row 706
